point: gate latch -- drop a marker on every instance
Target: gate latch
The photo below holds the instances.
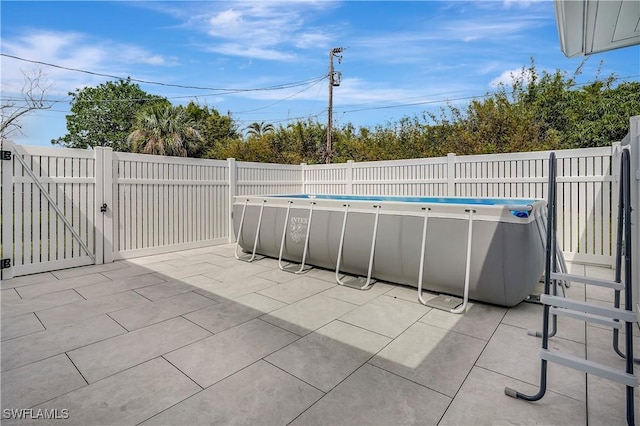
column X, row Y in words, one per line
column 103, row 208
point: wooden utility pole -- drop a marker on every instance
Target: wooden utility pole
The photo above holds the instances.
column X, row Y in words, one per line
column 334, row 80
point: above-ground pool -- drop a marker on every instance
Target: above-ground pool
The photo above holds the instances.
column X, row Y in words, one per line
column 386, row 237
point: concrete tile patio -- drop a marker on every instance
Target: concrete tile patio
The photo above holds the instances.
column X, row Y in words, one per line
column 197, row 337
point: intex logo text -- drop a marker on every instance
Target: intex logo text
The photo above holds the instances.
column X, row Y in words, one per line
column 31, row 413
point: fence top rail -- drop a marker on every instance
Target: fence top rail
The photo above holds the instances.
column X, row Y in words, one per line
column 53, row 151
column 535, row 155
column 146, row 158
column 255, row 165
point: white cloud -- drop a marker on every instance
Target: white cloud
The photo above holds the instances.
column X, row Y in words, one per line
column 71, row 50
column 509, row 76
column 262, row 30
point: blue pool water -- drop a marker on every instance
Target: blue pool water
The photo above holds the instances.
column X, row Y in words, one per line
column 443, row 200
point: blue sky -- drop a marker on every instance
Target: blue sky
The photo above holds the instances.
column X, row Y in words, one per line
column 401, row 58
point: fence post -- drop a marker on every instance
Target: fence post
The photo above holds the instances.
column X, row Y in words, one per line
column 451, row 174
column 6, row 252
column 103, row 221
column 349, row 177
column 233, row 182
column 303, row 180
column 107, row 194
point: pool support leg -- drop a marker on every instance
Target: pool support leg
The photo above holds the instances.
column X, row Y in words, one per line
column 465, row 300
column 284, row 234
column 422, row 250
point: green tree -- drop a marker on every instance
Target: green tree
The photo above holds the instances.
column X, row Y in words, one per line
column 217, row 130
column 164, row 130
column 103, row 115
column 259, row 129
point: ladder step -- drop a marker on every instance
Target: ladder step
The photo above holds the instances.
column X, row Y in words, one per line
column 587, row 280
column 590, row 367
column 612, row 313
column 594, row 319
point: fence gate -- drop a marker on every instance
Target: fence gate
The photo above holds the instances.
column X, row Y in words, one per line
column 51, row 199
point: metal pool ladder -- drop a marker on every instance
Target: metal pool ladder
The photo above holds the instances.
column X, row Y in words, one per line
column 249, row 257
column 354, row 282
column 293, row 267
column 610, row 317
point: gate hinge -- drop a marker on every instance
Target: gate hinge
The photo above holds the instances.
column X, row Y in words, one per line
column 5, row 155
column 5, row 263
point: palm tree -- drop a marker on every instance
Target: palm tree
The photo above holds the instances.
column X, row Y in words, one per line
column 163, row 130
column 260, row 129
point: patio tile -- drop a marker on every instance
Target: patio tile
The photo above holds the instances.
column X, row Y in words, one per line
column 91, row 269
column 606, row 399
column 321, row 274
column 161, row 310
column 480, row 320
column 39, row 382
column 159, row 267
column 16, row 282
column 40, row 289
column 164, row 289
column 36, row 346
column 377, row 397
column 259, row 302
column 410, row 293
column 212, row 359
column 386, row 315
column 223, row 261
column 327, row 356
column 297, row 289
column 80, row 311
column 529, row 317
column 187, row 270
column 355, row 296
column 237, row 270
column 241, row 287
column 110, row 356
column 278, row 276
column 481, row 401
column 513, row 353
column 226, row 250
column 156, row 258
column 223, row 316
column 130, row 271
column 308, row 314
column 19, row 307
column 9, row 295
column 117, row 286
column 20, row 326
column 127, row 398
column 258, row 395
column 429, row 355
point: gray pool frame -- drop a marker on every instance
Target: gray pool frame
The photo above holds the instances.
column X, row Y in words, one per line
column 481, row 251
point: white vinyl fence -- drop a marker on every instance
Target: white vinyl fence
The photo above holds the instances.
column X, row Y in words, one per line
column 64, row 207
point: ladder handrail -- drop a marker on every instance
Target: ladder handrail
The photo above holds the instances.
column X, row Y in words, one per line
column 578, row 309
column 624, row 212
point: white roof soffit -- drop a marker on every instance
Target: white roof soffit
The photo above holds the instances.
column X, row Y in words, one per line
column 592, row 26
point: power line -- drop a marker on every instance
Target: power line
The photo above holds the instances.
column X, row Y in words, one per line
column 223, row 90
